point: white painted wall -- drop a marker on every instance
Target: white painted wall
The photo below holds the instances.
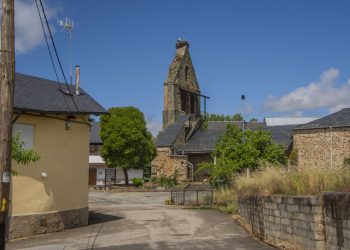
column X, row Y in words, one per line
column 100, row 176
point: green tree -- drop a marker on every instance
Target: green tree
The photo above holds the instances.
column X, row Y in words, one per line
column 20, row 154
column 237, row 151
column 221, row 117
column 237, row 117
column 253, row 119
column 126, row 141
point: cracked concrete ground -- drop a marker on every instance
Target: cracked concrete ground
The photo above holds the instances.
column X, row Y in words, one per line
column 138, row 221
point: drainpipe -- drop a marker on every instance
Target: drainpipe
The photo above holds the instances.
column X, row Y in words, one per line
column 331, row 147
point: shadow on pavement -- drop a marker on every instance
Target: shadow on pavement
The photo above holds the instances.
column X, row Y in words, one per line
column 96, row 218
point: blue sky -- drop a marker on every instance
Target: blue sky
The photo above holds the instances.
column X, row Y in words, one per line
column 290, row 58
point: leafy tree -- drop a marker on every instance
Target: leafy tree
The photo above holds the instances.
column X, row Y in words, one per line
column 221, row 117
column 237, row 117
column 126, row 141
column 237, row 151
column 253, row 120
column 20, row 154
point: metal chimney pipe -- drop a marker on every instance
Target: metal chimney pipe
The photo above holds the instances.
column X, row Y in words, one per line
column 77, row 79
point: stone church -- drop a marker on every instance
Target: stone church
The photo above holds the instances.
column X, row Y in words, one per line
column 184, row 143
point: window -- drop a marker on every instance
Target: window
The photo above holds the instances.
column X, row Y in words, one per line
column 186, row 73
column 26, row 132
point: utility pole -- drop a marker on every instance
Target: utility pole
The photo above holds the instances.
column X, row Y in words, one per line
column 7, row 79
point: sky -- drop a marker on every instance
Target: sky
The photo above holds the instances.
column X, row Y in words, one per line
column 289, row 58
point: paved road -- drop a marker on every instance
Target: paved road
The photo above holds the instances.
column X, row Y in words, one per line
column 137, row 221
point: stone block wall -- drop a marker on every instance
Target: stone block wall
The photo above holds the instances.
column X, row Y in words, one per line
column 35, row 224
column 304, row 222
column 165, row 164
column 251, row 209
column 297, row 221
column 322, row 148
column 337, row 220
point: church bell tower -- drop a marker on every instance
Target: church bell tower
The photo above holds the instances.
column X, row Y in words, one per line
column 181, row 89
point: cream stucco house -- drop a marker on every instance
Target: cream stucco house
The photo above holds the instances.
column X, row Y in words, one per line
column 51, row 194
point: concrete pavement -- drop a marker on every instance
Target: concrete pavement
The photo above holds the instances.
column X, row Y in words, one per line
column 141, row 221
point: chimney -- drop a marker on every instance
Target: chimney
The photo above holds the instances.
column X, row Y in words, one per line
column 77, row 79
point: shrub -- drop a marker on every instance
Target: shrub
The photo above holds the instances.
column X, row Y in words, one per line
column 154, row 180
column 137, row 181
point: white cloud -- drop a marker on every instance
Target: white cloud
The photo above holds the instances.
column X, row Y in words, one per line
column 321, row 94
column 28, row 29
column 153, row 126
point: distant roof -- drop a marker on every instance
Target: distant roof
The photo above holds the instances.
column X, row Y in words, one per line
column 95, row 133
column 337, row 119
column 279, row 121
column 34, row 94
column 96, row 159
column 281, row 134
column 205, row 140
column 168, row 137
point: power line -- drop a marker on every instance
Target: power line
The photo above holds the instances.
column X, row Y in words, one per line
column 57, row 56
column 48, row 47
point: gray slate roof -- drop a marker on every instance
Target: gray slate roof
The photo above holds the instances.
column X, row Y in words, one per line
column 204, row 140
column 281, row 134
column 337, row 119
column 34, row 94
column 168, row 137
column 95, row 133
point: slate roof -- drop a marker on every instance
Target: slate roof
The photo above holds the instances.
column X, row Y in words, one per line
column 281, row 134
column 34, row 94
column 279, row 121
column 337, row 119
column 168, row 137
column 204, row 140
column 95, row 133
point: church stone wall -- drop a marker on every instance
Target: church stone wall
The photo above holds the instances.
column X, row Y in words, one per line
column 165, row 164
column 324, row 148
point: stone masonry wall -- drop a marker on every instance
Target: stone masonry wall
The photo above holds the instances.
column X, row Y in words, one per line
column 337, row 220
column 323, row 148
column 28, row 225
column 297, row 221
column 165, row 164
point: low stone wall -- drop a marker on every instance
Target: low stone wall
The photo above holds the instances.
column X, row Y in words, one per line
column 337, row 220
column 28, row 225
column 296, row 221
column 302, row 222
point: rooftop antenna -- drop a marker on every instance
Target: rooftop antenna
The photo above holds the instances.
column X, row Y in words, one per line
column 68, row 26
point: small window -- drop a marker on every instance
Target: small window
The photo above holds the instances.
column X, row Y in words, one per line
column 26, row 132
column 186, row 73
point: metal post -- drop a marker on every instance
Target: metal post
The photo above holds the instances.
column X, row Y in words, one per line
column 197, row 197
column 183, row 197
column 105, row 178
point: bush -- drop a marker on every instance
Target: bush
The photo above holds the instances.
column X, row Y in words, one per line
column 137, row 182
column 225, row 199
column 154, row 180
